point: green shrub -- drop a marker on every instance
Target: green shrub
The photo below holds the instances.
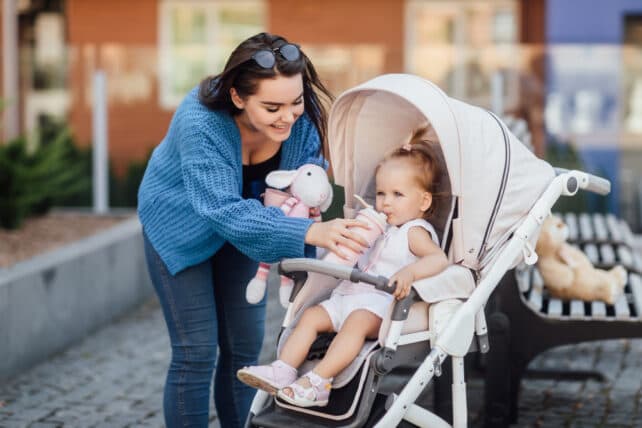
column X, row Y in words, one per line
column 124, row 191
column 32, row 182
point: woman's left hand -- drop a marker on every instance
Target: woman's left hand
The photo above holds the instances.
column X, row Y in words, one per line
column 334, row 234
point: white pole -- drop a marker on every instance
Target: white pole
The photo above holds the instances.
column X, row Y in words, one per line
column 461, row 54
column 497, row 93
column 100, row 152
column 10, row 83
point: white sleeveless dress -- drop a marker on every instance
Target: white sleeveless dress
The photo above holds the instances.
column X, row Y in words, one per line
column 387, row 256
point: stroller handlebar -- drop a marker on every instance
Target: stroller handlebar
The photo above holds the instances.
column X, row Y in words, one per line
column 598, row 185
column 379, row 282
column 336, row 270
column 583, row 180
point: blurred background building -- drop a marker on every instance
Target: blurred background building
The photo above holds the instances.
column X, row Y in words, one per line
column 571, row 68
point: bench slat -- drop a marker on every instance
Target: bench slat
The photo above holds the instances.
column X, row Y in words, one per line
column 571, row 222
column 577, row 309
column 586, row 229
column 591, row 252
column 622, row 308
column 624, row 255
column 636, row 289
column 537, row 286
column 601, row 232
column 629, row 239
column 614, row 228
column 637, row 261
column 607, row 253
column 538, row 281
column 555, row 307
column 598, row 309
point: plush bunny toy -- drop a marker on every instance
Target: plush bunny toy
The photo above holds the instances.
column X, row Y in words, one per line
column 310, row 193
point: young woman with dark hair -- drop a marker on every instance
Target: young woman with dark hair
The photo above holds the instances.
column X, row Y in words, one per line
column 204, row 225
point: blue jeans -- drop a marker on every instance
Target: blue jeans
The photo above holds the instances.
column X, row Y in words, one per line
column 205, row 309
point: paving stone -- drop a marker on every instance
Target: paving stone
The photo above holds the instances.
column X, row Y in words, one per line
column 583, row 423
column 14, row 423
column 45, row 425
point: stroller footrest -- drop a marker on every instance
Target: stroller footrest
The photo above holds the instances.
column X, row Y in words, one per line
column 276, row 418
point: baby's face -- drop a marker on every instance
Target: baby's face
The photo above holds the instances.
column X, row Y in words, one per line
column 399, row 195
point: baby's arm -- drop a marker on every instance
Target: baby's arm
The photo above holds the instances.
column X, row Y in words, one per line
column 432, row 260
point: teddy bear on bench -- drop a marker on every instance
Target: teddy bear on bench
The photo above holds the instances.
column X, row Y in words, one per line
column 567, row 271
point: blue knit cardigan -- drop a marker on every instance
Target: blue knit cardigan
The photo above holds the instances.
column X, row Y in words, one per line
column 190, row 203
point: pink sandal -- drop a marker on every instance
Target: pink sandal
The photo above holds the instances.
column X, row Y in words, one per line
column 310, row 390
column 269, row 378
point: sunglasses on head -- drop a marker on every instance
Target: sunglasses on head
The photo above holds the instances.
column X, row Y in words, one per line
column 266, row 58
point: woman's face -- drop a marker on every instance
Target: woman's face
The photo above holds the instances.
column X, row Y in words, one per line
column 274, row 108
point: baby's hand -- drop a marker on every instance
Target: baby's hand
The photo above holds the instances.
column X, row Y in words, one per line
column 402, row 280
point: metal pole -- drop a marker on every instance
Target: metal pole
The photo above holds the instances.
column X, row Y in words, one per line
column 100, row 142
column 497, row 93
column 10, row 83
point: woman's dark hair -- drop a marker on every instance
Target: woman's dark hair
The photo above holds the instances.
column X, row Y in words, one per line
column 242, row 73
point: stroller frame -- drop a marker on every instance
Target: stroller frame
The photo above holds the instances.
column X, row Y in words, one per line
column 467, row 321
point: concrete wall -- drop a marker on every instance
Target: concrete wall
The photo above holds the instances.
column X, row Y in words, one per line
column 56, row 299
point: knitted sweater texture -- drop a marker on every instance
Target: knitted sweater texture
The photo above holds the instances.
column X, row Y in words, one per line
column 190, row 203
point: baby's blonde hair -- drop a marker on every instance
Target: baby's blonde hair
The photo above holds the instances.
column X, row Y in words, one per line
column 420, row 154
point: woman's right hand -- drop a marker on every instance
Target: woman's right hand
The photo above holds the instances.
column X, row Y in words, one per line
column 335, row 233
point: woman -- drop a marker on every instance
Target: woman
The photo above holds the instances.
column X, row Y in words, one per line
column 204, row 226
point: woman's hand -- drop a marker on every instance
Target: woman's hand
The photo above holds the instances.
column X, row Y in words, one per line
column 402, row 280
column 334, row 234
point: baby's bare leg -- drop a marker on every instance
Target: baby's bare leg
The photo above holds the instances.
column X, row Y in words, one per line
column 315, row 320
column 360, row 325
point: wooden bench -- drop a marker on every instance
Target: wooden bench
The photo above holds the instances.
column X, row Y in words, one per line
column 524, row 320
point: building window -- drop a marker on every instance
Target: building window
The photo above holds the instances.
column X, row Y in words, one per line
column 342, row 66
column 632, row 77
column 460, row 44
column 197, row 36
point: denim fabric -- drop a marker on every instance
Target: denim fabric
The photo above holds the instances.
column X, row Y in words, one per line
column 205, row 308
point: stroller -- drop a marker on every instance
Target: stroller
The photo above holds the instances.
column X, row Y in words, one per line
column 499, row 194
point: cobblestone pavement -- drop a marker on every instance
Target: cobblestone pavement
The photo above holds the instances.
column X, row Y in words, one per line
column 115, row 378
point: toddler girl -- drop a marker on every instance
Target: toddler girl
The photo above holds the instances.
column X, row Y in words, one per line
column 404, row 193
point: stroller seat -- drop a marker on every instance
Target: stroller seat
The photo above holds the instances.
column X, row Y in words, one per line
column 405, row 339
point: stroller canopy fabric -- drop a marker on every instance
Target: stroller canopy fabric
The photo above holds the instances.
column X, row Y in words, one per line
column 494, row 177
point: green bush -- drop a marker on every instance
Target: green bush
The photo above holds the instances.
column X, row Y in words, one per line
column 32, row 182
column 124, row 191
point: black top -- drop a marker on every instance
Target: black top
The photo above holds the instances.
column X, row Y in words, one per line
column 254, row 176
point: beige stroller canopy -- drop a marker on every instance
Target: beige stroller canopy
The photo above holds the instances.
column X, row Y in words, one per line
column 491, row 175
